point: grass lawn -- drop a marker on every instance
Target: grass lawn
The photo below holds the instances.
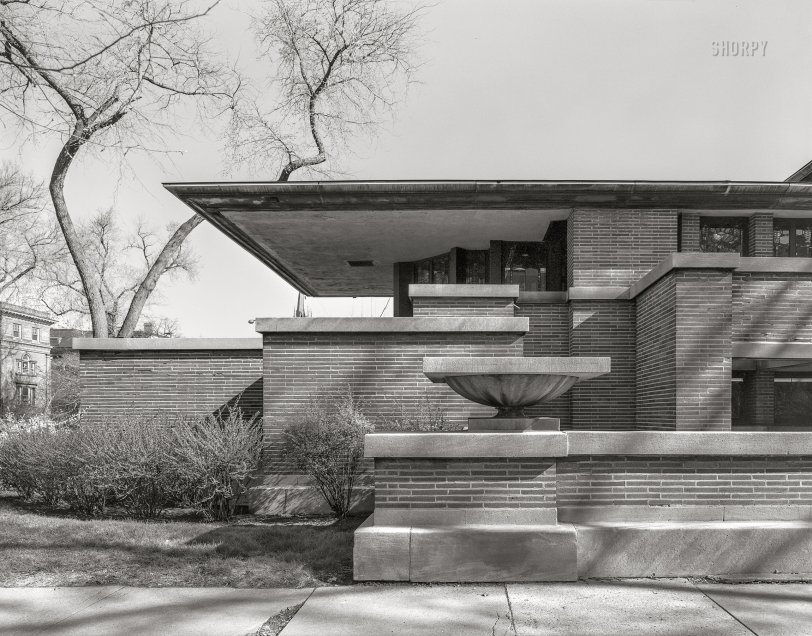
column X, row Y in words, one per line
column 40, row 547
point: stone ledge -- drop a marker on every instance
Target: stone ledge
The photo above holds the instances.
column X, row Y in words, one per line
column 459, row 445
column 438, row 368
column 684, row 260
column 660, row 514
column 463, row 516
column 463, row 291
column 773, row 350
column 723, row 443
column 393, row 325
column 541, row 298
column 165, row 344
column 598, row 293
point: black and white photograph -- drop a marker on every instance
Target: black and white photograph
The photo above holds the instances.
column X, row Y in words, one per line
column 405, row 317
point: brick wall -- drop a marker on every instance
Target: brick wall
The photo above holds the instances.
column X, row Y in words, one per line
column 656, row 393
column 190, row 382
column 604, row 328
column 685, row 481
column 548, row 336
column 465, row 483
column 689, row 232
column 383, row 369
column 617, row 247
column 462, row 306
column 772, row 307
column 703, row 347
column 760, row 234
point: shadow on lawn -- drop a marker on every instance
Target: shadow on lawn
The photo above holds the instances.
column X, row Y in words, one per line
column 326, row 550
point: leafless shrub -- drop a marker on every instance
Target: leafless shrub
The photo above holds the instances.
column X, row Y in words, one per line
column 327, row 443
column 425, row 415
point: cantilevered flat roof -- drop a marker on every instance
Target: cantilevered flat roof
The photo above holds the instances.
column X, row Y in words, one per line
column 307, row 231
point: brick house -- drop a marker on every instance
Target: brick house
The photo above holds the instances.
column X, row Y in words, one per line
column 25, row 356
column 700, row 293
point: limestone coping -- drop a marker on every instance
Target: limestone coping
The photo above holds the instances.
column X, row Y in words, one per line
column 575, row 443
column 533, row 298
column 463, row 291
column 164, row 344
column 773, row 350
column 702, row 260
column 463, row 444
column 598, row 293
column 437, row 369
column 687, row 443
column 433, row 324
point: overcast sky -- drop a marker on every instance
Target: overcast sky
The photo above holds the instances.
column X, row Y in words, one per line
column 516, row 89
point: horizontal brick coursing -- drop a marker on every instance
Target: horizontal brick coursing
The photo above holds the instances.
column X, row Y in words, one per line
column 548, row 336
column 384, row 369
column 190, row 382
column 656, row 393
column 704, row 360
column 604, row 328
column 772, row 307
column 684, row 481
column 462, row 306
column 465, row 483
column 617, row 247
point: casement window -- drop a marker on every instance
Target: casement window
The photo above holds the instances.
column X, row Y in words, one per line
column 793, row 403
column 26, row 394
column 35, row 334
column 792, row 237
column 26, row 365
column 432, row 270
column 17, row 330
column 523, row 264
column 723, row 234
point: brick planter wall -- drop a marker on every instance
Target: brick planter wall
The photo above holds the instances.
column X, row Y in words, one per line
column 671, row 480
column 465, row 483
column 185, row 382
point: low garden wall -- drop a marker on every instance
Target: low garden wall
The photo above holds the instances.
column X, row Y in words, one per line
column 192, row 376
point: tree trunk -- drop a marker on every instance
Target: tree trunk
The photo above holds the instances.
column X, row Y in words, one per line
column 89, row 278
column 147, row 286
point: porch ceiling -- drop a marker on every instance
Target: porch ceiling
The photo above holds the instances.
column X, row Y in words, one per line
column 307, row 231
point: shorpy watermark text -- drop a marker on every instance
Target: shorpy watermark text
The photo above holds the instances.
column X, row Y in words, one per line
column 739, row 48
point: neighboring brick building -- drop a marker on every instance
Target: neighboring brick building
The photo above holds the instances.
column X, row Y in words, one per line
column 25, row 357
column 699, row 292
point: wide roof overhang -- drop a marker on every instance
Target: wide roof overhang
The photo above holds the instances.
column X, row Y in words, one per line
column 307, row 231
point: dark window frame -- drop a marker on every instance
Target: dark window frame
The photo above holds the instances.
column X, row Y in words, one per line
column 739, row 222
column 790, row 225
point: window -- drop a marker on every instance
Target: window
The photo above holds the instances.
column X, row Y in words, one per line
column 523, row 265
column 723, row 234
column 475, row 267
column 432, row 270
column 17, row 330
column 792, row 237
column 26, row 365
column 26, row 394
column 793, row 403
column 35, row 334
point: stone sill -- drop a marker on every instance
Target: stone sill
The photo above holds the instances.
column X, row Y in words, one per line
column 393, row 325
column 463, row 291
column 463, row 444
column 580, row 443
column 165, row 344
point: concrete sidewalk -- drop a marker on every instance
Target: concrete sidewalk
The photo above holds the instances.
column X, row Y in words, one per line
column 631, row 607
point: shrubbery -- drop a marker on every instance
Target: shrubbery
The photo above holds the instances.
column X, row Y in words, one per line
column 143, row 464
column 424, row 416
column 327, row 443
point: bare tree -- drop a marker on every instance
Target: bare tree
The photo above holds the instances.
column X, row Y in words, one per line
column 102, row 74
column 120, row 262
column 341, row 67
column 28, row 237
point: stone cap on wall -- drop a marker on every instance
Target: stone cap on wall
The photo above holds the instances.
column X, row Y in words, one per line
column 438, row 368
column 721, row 261
column 463, row 291
column 393, row 325
column 594, row 443
column 164, row 344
